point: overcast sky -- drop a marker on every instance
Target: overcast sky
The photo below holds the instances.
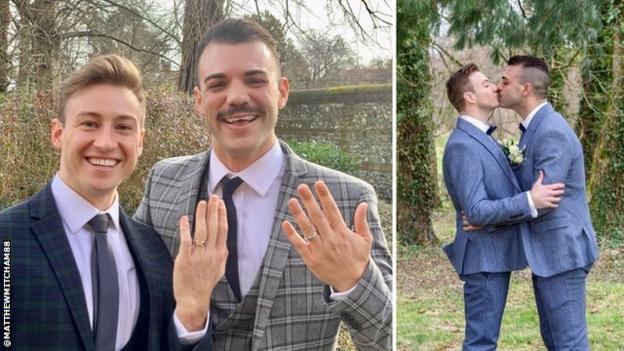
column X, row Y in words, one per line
column 316, row 16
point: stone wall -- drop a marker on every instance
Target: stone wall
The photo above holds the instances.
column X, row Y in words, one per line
column 357, row 119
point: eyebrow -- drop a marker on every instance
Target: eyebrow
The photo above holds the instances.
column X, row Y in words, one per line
column 86, row 114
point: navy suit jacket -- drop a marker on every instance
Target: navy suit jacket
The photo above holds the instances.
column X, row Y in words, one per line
column 560, row 239
column 48, row 308
column 481, row 183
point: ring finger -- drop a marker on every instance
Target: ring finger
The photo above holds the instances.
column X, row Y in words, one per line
column 308, row 230
column 313, row 210
column 199, row 237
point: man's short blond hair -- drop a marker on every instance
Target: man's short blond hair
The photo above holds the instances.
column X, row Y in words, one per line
column 107, row 69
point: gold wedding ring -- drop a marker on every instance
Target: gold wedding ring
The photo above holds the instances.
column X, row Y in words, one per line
column 310, row 236
column 200, row 243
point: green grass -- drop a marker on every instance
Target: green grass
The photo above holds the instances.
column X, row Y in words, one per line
column 430, row 305
column 430, row 302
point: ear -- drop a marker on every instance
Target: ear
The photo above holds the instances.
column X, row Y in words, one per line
column 470, row 97
column 284, row 89
column 56, row 134
column 141, row 136
column 527, row 89
column 198, row 97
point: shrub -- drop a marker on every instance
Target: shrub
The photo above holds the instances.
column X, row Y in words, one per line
column 326, row 154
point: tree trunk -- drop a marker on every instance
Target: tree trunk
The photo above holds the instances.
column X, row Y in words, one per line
column 5, row 64
column 595, row 99
column 39, row 44
column 46, row 44
column 605, row 181
column 416, row 175
column 199, row 16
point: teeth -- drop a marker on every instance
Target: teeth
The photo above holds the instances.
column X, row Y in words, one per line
column 239, row 119
column 105, row 162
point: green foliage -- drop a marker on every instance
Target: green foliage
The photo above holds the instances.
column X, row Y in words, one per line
column 416, row 188
column 326, row 154
column 541, row 25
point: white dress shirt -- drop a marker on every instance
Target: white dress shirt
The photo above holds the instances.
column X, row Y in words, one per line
column 530, row 116
column 484, row 127
column 76, row 212
column 255, row 201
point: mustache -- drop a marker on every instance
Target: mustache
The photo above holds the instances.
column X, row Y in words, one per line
column 238, row 109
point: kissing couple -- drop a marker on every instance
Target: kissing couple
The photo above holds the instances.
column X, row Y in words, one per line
column 518, row 205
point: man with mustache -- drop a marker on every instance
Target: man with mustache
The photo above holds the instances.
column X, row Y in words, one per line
column 483, row 188
column 560, row 245
column 282, row 291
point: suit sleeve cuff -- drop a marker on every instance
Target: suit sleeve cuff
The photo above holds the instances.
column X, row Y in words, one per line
column 186, row 337
column 532, row 205
column 335, row 296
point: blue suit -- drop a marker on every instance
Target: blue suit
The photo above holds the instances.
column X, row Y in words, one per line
column 560, row 245
column 48, row 307
column 481, row 182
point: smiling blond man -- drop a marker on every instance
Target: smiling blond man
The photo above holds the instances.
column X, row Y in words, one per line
column 85, row 276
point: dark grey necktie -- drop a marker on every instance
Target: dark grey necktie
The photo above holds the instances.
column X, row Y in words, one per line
column 231, row 265
column 105, row 287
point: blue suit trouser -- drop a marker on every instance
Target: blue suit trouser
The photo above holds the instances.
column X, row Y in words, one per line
column 485, row 295
column 560, row 303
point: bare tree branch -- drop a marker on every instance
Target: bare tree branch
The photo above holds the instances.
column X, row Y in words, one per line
column 522, row 10
column 148, row 20
column 91, row 34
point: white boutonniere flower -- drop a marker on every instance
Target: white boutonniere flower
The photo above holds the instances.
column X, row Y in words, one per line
column 512, row 150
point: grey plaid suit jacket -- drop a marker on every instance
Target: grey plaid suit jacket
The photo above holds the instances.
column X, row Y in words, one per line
column 287, row 308
column 48, row 307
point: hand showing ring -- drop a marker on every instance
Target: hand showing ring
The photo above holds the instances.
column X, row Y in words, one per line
column 197, row 271
column 335, row 254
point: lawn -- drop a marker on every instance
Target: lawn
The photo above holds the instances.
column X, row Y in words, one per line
column 430, row 304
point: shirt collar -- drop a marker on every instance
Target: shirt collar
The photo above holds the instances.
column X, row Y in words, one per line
column 530, row 116
column 475, row 122
column 75, row 210
column 259, row 175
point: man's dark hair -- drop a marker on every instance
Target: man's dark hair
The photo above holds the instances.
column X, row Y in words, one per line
column 458, row 84
column 534, row 71
column 237, row 31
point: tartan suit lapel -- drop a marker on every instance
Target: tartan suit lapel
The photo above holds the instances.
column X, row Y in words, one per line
column 190, row 191
column 47, row 226
column 276, row 256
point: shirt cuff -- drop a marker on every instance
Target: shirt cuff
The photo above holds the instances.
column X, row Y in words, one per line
column 337, row 296
column 186, row 337
column 531, row 205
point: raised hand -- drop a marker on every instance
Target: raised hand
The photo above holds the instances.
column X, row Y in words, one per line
column 200, row 263
column 335, row 254
column 546, row 196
